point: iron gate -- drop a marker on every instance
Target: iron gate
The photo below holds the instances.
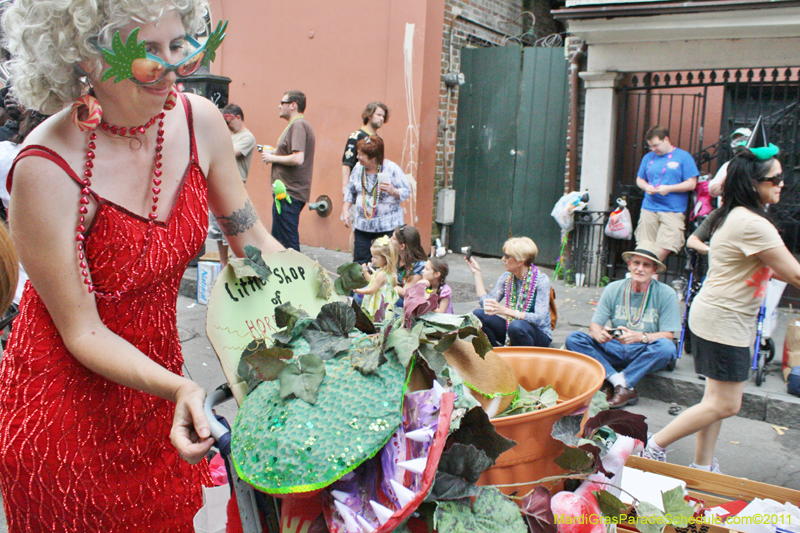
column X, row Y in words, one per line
column 701, row 109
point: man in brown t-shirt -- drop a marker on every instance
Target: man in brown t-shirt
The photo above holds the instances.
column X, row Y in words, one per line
column 293, row 164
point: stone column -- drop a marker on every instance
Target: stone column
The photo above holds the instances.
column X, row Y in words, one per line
column 599, row 137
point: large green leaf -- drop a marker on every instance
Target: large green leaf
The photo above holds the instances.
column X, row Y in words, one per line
column 491, row 513
column 286, row 315
column 254, row 260
column 363, row 322
column 350, row 277
column 464, row 461
column 567, row 429
column 302, row 380
column 599, row 403
column 404, row 343
column 265, row 365
column 651, row 519
column 445, row 321
column 446, row 341
column 481, row 344
column 434, row 358
column 366, row 355
column 328, row 333
column 676, row 507
column 449, row 487
column 575, row 460
column 610, row 505
column 476, row 429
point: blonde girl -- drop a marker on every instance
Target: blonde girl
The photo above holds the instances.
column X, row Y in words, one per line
column 433, row 276
column 381, row 288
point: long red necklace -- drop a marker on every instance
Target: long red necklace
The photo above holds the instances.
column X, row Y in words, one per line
column 87, row 182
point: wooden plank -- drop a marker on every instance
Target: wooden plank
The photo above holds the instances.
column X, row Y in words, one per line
column 735, row 488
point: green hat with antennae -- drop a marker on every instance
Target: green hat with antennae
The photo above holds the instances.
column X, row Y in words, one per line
column 758, row 143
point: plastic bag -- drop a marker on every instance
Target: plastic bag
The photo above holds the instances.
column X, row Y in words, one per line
column 619, row 224
column 702, row 200
column 567, row 205
column 766, row 516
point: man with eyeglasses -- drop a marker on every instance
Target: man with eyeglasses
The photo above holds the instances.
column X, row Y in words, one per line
column 293, row 164
column 243, row 144
column 667, row 175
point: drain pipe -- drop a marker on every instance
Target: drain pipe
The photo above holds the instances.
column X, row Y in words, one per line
column 574, row 68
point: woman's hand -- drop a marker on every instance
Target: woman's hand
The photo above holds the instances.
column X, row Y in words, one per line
column 346, row 218
column 190, row 433
column 473, row 265
column 388, row 188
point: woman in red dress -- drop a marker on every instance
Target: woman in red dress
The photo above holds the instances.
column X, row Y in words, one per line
column 109, row 205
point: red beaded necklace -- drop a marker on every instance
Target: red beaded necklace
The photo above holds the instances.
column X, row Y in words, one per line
column 84, row 201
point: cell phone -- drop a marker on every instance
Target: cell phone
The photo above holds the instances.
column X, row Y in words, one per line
column 260, row 147
column 467, row 251
column 370, row 268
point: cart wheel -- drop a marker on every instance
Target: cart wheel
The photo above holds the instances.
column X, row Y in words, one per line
column 687, row 341
column 671, row 365
column 760, row 368
column 768, row 349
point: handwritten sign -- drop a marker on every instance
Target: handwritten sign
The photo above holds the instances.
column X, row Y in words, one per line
column 242, row 310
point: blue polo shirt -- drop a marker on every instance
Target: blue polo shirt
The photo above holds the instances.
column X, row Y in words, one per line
column 668, row 169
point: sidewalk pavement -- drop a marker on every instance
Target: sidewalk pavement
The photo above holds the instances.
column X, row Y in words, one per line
column 770, row 402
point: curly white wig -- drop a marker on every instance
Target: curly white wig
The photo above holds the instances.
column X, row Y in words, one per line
column 48, row 38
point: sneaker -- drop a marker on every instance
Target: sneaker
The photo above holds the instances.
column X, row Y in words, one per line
column 714, row 466
column 654, row 454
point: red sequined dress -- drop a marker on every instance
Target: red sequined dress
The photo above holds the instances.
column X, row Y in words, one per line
column 79, row 453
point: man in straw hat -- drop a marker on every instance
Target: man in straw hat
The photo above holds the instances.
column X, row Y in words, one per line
column 644, row 316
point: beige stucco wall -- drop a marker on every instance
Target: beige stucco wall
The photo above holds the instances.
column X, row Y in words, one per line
column 341, row 55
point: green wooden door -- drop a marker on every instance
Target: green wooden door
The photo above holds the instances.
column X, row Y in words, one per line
column 541, row 149
column 510, row 148
column 486, row 135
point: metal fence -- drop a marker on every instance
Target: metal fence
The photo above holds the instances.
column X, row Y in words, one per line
column 588, row 253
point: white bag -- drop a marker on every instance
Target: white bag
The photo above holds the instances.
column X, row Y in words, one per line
column 213, row 516
column 619, row 224
column 564, row 208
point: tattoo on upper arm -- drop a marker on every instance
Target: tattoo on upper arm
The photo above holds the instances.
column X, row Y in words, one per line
column 239, row 221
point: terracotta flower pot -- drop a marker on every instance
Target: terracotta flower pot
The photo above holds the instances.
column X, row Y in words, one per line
column 576, row 378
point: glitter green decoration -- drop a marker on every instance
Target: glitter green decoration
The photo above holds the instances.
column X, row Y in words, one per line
column 213, row 42
column 123, row 55
column 354, row 416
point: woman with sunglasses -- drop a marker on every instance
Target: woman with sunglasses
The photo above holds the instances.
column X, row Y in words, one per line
column 100, row 432
column 745, row 251
column 516, row 312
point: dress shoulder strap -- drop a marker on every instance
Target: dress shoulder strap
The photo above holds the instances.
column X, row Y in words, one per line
column 190, row 123
column 36, row 150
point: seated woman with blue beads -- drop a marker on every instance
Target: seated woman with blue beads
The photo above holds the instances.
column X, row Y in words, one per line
column 516, row 312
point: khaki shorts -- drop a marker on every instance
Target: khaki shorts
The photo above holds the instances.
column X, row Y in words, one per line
column 666, row 230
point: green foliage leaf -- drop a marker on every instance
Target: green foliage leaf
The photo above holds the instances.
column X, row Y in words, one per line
column 434, row 358
column 241, row 268
column 326, row 288
column 477, row 430
column 404, row 343
column 443, row 321
column 446, row 341
column 567, row 428
column 350, row 277
column 622, row 422
column 286, row 336
column 527, row 402
column 214, row 40
column 465, row 461
column 599, row 403
column 302, row 380
column 676, row 507
column 366, row 355
column 610, row 505
column 575, row 460
column 651, row 519
column 492, row 512
column 286, row 315
column 254, row 260
column 266, row 364
column 481, row 344
column 121, row 56
column 328, row 333
column 449, row 487
column 363, row 322
column 537, row 511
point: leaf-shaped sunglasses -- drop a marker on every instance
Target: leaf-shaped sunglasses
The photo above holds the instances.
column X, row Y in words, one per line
column 130, row 60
